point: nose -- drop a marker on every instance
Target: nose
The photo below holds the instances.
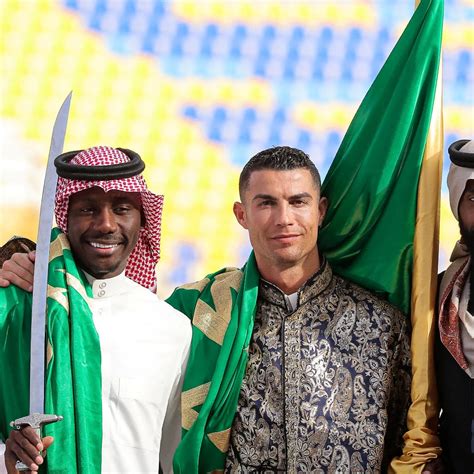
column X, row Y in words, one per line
column 105, row 221
column 284, row 215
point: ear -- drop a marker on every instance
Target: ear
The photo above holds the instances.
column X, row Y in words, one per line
column 323, row 207
column 239, row 213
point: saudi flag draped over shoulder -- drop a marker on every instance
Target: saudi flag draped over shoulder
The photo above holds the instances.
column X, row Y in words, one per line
column 369, row 236
column 73, row 380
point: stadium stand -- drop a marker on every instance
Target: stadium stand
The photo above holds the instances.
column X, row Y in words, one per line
column 198, row 87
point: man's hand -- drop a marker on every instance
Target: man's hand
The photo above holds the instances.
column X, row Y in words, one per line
column 19, row 271
column 25, row 445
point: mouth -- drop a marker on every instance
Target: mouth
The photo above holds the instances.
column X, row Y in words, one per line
column 99, row 245
column 104, row 249
column 285, row 238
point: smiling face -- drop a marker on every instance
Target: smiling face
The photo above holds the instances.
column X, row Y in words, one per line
column 282, row 211
column 103, row 228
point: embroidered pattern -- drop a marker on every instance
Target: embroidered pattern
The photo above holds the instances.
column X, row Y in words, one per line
column 319, row 392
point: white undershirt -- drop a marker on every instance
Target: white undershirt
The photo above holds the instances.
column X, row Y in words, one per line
column 144, row 347
column 292, row 300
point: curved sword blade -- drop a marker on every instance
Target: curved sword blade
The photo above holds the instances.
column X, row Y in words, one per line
column 40, row 279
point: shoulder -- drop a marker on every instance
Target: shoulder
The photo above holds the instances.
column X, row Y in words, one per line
column 178, row 318
column 372, row 302
column 225, row 276
column 218, row 284
column 168, row 315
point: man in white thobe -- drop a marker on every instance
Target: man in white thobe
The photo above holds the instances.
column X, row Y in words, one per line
column 110, row 222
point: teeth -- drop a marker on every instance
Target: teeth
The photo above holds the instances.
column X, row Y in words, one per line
column 103, row 246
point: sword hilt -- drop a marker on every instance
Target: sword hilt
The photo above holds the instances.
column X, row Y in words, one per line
column 36, row 421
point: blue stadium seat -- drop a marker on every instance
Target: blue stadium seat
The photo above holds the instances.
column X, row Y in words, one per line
column 332, row 143
column 153, row 28
column 321, row 56
column 326, row 35
column 264, row 53
column 318, row 71
column 211, row 30
column 268, row 32
column 350, row 57
column 304, row 139
column 129, row 8
column 72, row 4
column 249, row 115
column 260, row 69
column 293, row 55
column 215, row 133
column 124, row 24
column 279, row 115
column 346, row 75
column 159, row 8
column 274, row 136
column 187, row 256
column 383, row 36
column 190, row 111
column 206, row 47
column 235, row 50
column 95, row 21
column 187, row 252
column 355, row 35
column 245, row 136
column 289, row 72
column 182, row 29
column 148, row 44
column 297, row 34
column 240, row 30
column 176, row 46
column 219, row 115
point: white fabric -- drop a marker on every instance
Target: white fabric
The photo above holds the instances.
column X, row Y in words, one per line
column 144, row 346
column 292, row 300
column 3, row 469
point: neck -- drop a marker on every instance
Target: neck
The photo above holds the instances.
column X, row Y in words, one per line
column 289, row 278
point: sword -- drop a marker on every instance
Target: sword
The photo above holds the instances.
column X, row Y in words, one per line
column 40, row 284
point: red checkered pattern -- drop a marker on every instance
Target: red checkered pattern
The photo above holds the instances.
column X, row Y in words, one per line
column 142, row 261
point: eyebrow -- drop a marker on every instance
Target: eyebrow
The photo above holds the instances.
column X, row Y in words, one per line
column 273, row 198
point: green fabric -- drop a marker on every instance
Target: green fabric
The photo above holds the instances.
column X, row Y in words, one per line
column 372, row 185
column 367, row 235
column 223, row 365
column 73, row 380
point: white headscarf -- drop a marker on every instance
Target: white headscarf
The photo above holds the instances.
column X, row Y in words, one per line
column 457, row 179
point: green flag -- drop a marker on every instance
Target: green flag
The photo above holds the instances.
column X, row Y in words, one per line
column 372, row 184
column 73, row 380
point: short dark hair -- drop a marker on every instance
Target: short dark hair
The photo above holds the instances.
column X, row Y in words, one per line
column 279, row 158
